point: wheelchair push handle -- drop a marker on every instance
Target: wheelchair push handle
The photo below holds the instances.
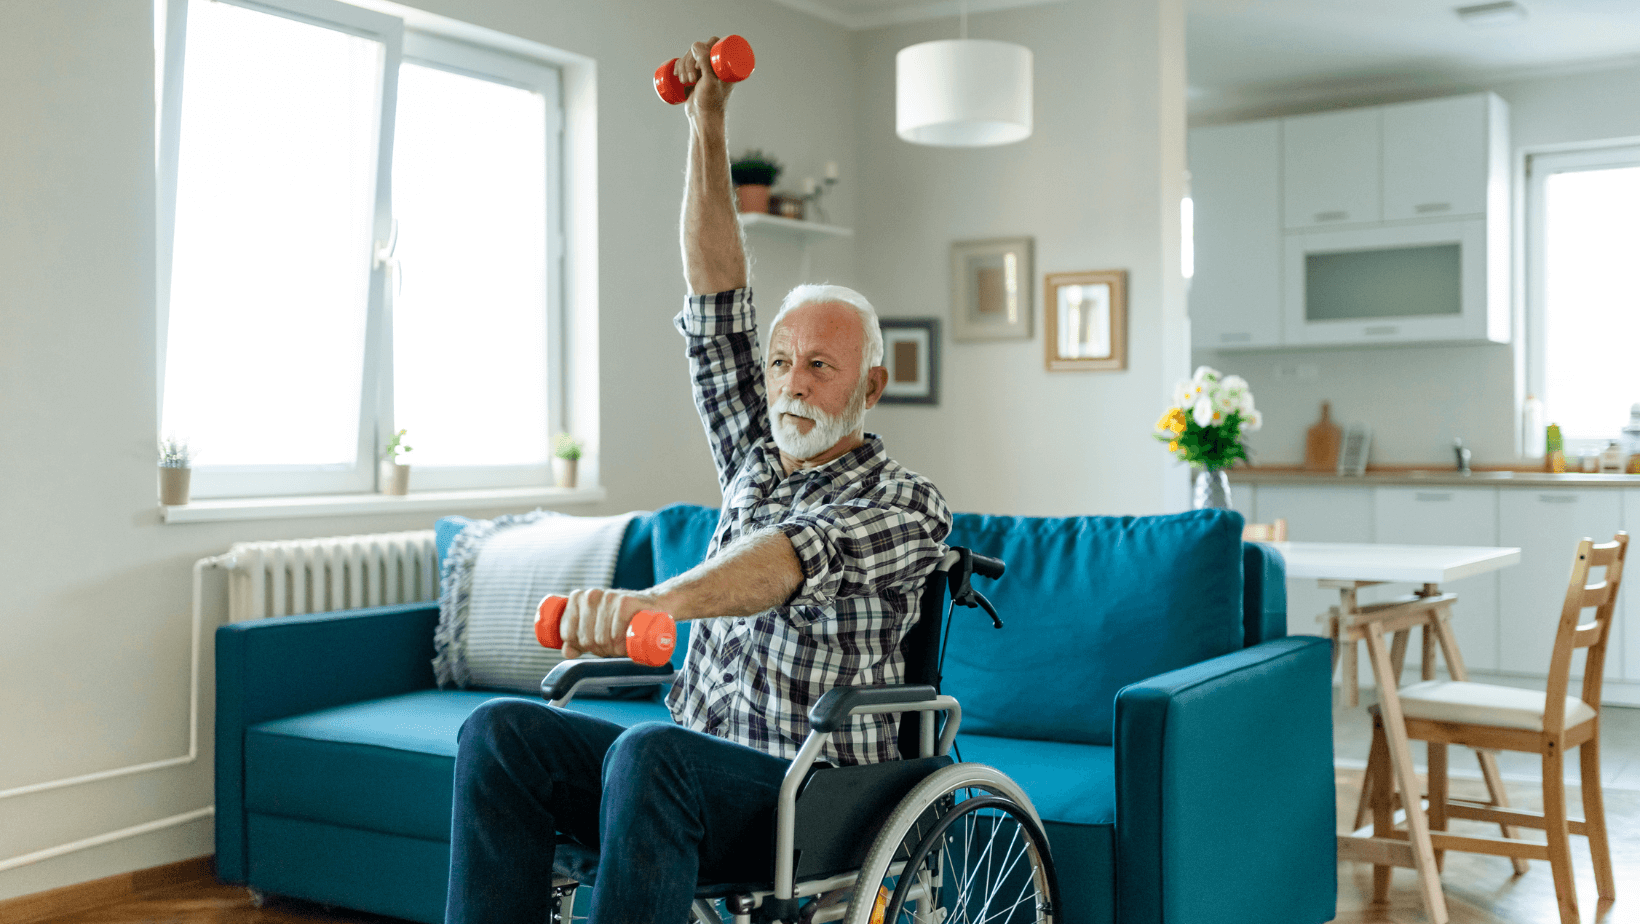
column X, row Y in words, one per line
column 650, row 637
column 988, row 567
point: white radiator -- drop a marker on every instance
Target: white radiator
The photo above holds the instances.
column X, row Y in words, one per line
column 297, row 576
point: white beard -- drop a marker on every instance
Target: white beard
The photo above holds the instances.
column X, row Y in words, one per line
column 828, row 429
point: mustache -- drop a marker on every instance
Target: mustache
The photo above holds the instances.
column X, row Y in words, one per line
column 786, row 404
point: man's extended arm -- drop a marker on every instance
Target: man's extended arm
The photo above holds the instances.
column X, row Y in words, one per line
column 713, row 259
column 753, row 574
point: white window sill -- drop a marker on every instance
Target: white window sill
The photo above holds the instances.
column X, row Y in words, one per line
column 443, row 502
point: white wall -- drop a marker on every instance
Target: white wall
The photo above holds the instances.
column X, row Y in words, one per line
column 1417, row 399
column 94, row 670
column 97, row 589
column 1097, row 185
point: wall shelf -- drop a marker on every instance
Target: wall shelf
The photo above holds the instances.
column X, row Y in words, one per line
column 792, row 225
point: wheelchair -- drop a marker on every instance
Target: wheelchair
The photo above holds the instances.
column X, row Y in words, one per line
column 925, row 839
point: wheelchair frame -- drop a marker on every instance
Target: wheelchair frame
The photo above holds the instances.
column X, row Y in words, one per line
column 829, row 714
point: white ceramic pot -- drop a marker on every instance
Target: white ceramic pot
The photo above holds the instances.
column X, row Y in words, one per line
column 563, row 471
column 395, row 478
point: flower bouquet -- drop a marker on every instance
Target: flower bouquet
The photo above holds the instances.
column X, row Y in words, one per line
column 1210, row 412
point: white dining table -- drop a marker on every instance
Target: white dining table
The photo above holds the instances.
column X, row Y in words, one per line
column 1348, row 567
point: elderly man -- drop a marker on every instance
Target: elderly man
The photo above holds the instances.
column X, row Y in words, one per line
column 811, row 582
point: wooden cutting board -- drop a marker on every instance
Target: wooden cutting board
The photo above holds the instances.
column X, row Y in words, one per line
column 1321, row 443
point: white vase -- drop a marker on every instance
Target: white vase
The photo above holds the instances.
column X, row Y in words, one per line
column 395, row 478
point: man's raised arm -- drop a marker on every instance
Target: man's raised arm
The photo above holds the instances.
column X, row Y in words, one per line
column 713, row 259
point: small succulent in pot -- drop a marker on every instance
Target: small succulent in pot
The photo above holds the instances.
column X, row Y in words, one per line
column 396, row 448
column 175, row 453
column 565, row 446
column 755, row 168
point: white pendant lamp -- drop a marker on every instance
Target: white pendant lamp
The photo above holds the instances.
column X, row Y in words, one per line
column 963, row 93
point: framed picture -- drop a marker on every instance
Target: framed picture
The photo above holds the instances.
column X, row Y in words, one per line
column 991, row 283
column 1085, row 320
column 911, row 351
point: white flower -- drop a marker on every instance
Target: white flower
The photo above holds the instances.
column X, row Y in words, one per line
column 1252, row 420
column 1202, row 413
column 1183, row 393
column 1234, row 383
column 1206, row 374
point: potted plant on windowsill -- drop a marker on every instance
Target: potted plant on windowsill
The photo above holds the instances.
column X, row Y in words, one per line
column 175, row 471
column 566, row 453
column 754, row 173
column 395, row 477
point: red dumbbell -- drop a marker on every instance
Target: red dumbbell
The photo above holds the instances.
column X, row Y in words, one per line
column 650, row 637
column 732, row 62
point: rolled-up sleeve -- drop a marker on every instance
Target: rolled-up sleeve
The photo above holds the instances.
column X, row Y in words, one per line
column 887, row 540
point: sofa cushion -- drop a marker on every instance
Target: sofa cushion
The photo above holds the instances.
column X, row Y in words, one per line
column 382, row 765
column 1068, row 783
column 680, row 535
column 1091, row 604
column 634, row 569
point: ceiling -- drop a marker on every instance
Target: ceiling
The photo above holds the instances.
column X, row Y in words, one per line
column 1251, row 55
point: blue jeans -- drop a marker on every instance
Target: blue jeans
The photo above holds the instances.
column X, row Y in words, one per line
column 664, row 805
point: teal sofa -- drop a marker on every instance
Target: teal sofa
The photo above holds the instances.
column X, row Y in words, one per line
column 1176, row 743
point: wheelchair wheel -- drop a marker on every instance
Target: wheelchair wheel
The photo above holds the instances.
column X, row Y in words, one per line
column 964, row 847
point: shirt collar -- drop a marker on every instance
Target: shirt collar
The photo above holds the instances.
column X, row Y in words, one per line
column 855, row 460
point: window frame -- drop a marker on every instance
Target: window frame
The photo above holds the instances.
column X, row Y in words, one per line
column 447, row 45
column 499, row 66
column 1539, row 166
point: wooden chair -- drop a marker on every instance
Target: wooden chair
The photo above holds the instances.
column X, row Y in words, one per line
column 1478, row 715
column 1265, row 532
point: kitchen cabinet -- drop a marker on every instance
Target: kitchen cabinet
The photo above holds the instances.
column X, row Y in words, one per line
column 1235, row 183
column 1438, row 156
column 1330, row 168
column 1449, row 516
column 1546, row 525
column 1315, row 514
column 1391, row 225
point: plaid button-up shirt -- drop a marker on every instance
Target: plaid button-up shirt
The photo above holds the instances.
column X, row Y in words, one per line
column 867, row 531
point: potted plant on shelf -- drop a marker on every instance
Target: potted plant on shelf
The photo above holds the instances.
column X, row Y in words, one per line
column 395, row 474
column 753, row 173
column 566, row 452
column 175, row 460
column 1204, row 427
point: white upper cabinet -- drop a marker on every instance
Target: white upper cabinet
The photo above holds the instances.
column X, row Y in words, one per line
column 1330, row 163
column 1235, row 181
column 1438, row 156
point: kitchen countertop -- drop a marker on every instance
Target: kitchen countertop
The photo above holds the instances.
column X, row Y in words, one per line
column 1432, row 476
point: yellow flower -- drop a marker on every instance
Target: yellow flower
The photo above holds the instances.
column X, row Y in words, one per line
column 1166, row 423
column 1173, row 446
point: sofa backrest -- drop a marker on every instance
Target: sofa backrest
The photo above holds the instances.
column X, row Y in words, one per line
column 1091, row 604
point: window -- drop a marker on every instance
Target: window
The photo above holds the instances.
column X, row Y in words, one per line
column 1584, row 298
column 360, row 232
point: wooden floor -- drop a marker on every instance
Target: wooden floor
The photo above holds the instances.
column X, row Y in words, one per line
column 1479, row 889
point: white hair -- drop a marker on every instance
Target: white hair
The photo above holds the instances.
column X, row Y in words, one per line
column 810, row 294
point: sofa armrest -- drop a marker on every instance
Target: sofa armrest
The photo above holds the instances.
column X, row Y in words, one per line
column 1224, row 790
column 272, row 668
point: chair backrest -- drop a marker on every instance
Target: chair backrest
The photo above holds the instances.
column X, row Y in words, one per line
column 1573, row 633
column 1265, row 532
column 922, row 650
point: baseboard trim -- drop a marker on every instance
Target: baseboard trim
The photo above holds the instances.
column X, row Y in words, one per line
column 43, row 906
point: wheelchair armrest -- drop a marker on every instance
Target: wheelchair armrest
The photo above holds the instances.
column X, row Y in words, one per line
column 571, row 677
column 833, row 710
